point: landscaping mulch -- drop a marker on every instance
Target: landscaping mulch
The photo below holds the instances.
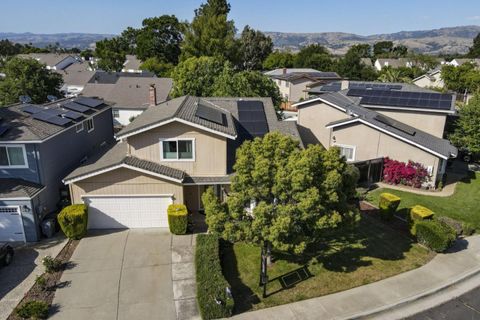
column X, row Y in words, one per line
column 396, row 223
column 36, row 292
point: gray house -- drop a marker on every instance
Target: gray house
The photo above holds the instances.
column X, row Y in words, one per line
column 39, row 145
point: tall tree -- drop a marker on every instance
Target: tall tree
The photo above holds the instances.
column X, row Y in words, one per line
column 382, row 47
column 160, row 37
column 362, row 50
column 293, row 195
column 210, row 33
column 129, row 36
column 111, row 53
column 474, row 51
column 254, row 48
column 351, row 67
column 304, row 58
column 196, row 76
column 467, row 132
column 159, row 67
column 279, row 59
column 461, row 78
column 399, row 51
column 28, row 77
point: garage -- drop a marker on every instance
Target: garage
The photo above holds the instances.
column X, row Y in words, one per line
column 11, row 225
column 118, row 212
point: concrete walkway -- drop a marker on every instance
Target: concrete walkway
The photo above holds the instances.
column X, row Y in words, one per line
column 447, row 191
column 17, row 278
column 384, row 299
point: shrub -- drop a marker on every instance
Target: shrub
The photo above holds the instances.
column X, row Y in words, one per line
column 388, row 204
column 41, row 282
column 213, row 300
column 454, row 224
column 73, row 221
column 177, row 218
column 418, row 213
column 410, row 174
column 435, row 235
column 33, row 310
column 468, row 229
column 52, row 265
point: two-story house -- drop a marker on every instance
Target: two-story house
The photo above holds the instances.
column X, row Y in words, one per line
column 170, row 154
column 369, row 123
column 39, row 145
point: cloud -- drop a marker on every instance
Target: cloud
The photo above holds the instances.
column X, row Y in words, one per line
column 473, row 18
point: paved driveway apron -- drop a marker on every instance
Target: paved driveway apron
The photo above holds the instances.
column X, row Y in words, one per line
column 119, row 275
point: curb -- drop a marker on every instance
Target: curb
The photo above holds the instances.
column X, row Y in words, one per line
column 415, row 298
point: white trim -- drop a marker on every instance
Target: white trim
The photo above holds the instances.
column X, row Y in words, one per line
column 156, row 125
column 347, row 146
column 206, row 183
column 96, row 173
column 19, row 210
column 322, row 100
column 24, row 153
column 78, row 125
column 389, row 133
column 93, row 125
column 126, row 195
column 370, row 106
column 177, row 140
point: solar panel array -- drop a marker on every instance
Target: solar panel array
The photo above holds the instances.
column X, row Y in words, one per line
column 394, row 124
column 251, row 115
column 4, row 128
column 332, row 87
column 76, row 107
column 211, row 114
column 29, row 108
column 420, row 100
column 89, row 102
column 374, row 86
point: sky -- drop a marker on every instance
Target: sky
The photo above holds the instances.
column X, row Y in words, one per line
column 362, row 17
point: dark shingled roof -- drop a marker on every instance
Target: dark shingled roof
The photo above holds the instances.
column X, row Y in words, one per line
column 422, row 138
column 18, row 188
column 207, row 180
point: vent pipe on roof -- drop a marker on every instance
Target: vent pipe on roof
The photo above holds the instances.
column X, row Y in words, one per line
column 284, row 71
column 152, row 95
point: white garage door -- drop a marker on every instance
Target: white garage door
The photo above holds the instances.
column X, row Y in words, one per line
column 127, row 212
column 11, row 226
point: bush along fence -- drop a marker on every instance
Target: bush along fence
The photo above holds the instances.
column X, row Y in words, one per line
column 177, row 218
column 411, row 174
column 73, row 220
column 213, row 291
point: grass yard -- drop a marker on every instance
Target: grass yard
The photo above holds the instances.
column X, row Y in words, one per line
column 463, row 205
column 370, row 252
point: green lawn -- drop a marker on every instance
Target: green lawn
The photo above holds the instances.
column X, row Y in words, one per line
column 464, row 205
column 370, row 252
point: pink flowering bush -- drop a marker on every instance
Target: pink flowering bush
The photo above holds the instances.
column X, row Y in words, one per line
column 411, row 174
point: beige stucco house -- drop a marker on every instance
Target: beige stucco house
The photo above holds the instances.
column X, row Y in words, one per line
column 366, row 127
column 432, row 79
column 170, row 154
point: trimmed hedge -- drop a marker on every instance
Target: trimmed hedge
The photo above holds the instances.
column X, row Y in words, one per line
column 435, row 235
column 418, row 213
column 388, row 204
column 73, row 220
column 212, row 297
column 177, row 218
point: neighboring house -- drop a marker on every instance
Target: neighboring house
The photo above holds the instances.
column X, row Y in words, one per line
column 132, row 64
column 337, row 86
column 432, row 79
column 369, row 124
column 74, row 70
column 171, row 153
column 367, row 62
column 130, row 93
column 293, row 83
column 458, row 62
column 394, row 63
column 39, row 145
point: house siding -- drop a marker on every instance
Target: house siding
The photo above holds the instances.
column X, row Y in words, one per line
column 32, row 172
column 297, row 89
column 210, row 149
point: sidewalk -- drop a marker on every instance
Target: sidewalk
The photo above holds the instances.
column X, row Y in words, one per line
column 447, row 191
column 389, row 295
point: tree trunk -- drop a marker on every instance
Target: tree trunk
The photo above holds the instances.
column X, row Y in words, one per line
column 269, row 253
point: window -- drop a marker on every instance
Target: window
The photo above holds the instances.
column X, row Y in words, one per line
column 79, row 127
column 177, row 149
column 13, row 156
column 89, row 125
column 116, row 113
column 347, row 151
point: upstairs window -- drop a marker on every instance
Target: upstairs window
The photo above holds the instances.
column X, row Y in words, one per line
column 13, row 156
column 177, row 150
column 116, row 113
column 89, row 125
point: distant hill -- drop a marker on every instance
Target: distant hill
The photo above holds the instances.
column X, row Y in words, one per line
column 444, row 40
column 66, row 40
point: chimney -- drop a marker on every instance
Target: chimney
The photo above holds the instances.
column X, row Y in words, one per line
column 152, row 95
column 284, row 71
column 344, row 85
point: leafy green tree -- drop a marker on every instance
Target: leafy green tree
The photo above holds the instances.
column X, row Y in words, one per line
column 389, row 74
column 210, row 33
column 461, row 78
column 196, row 76
column 254, row 48
column 279, row 59
column 159, row 67
column 246, row 84
column 28, row 77
column 467, row 132
column 303, row 59
column 129, row 36
column 159, row 37
column 362, row 50
column 111, row 53
column 399, row 51
column 351, row 67
column 424, row 61
column 296, row 195
column 474, row 51
column 382, row 47
column 8, row 48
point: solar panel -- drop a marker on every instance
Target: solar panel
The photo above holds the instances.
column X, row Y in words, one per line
column 76, row 107
column 72, row 115
column 53, row 112
column 45, row 117
column 210, row 114
column 31, row 109
column 394, row 124
column 3, row 129
column 89, row 102
column 251, row 115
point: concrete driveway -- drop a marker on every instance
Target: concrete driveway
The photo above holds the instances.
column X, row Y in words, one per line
column 116, row 274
